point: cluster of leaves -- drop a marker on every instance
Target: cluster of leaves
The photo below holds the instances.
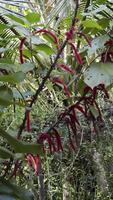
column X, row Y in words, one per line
column 33, row 60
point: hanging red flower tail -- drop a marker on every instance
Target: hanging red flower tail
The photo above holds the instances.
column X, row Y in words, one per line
column 59, row 81
column 66, row 68
column 69, row 34
column 58, row 139
column 21, row 49
column 34, row 161
column 100, row 87
column 42, row 137
column 55, row 38
column 73, row 146
column 28, row 123
column 76, row 54
column 86, row 38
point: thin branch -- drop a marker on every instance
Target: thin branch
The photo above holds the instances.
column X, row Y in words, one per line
column 40, row 88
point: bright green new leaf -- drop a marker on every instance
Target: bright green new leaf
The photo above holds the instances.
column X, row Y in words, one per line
column 90, row 23
column 33, row 17
column 16, row 19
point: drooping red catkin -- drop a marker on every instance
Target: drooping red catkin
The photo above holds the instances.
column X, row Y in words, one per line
column 59, row 81
column 86, row 38
column 34, row 161
column 56, row 41
column 109, row 42
column 58, row 140
column 70, row 139
column 69, row 34
column 66, row 68
column 21, row 49
column 46, row 137
column 76, row 54
column 28, row 126
column 28, row 123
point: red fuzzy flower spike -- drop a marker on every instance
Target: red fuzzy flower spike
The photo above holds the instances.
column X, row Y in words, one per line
column 59, row 81
column 21, row 49
column 34, row 161
column 66, row 68
column 28, row 124
column 86, row 38
column 56, row 41
column 76, row 54
column 73, row 146
column 70, row 33
column 100, row 87
column 45, row 136
column 58, row 139
column 109, row 43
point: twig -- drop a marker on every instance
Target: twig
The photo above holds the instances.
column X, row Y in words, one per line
column 40, row 88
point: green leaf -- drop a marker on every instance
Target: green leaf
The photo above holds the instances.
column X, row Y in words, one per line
column 90, row 23
column 80, row 85
column 14, row 78
column 103, row 22
column 7, row 66
column 26, row 67
column 16, row 19
column 33, row 17
column 101, row 1
column 5, row 154
column 99, row 73
column 48, row 38
column 97, row 43
column 13, row 191
column 45, row 48
column 21, row 147
column 6, row 96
